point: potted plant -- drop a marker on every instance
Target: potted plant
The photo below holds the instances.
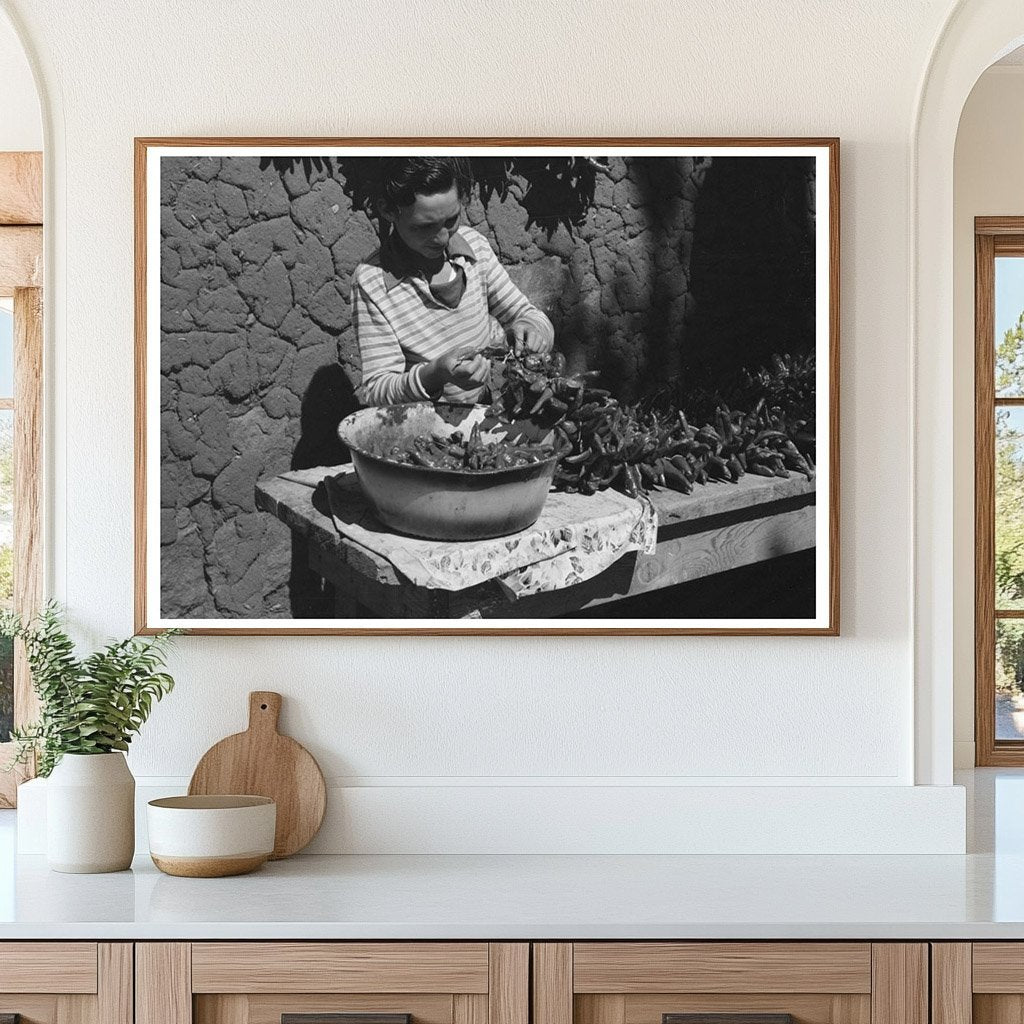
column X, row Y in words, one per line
column 89, row 710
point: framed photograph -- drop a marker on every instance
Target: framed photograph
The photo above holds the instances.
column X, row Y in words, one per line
column 498, row 386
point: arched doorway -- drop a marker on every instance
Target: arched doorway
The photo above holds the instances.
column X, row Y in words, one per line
column 976, row 34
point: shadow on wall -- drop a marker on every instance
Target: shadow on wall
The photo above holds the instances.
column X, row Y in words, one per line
column 329, row 398
column 753, row 265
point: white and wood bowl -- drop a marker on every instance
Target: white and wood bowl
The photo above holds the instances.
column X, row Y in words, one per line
column 211, row 836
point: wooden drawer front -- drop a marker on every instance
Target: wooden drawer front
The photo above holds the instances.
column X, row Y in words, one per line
column 57, row 967
column 993, row 977
column 721, row 967
column 48, row 995
column 258, row 982
column 311, row 967
column 998, row 967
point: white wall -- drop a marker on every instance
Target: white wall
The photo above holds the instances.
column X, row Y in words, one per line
column 21, row 127
column 988, row 181
column 467, row 711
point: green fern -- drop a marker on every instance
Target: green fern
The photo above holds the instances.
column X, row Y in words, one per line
column 90, row 705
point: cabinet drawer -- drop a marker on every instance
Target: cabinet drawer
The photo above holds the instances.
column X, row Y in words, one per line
column 981, row 982
column 332, row 983
column 998, row 967
column 65, row 967
column 730, row 983
column 340, row 967
column 66, row 982
column 749, row 967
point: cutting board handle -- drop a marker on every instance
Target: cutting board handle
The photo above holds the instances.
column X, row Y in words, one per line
column 264, row 710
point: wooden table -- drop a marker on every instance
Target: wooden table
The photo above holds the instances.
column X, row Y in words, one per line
column 718, row 527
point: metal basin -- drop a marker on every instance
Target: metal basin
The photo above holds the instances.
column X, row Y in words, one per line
column 444, row 504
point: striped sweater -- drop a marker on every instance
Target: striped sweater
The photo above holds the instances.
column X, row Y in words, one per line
column 400, row 325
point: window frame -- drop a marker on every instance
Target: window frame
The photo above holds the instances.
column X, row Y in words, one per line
column 21, row 278
column 993, row 237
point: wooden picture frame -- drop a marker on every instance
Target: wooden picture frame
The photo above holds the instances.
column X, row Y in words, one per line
column 371, row 597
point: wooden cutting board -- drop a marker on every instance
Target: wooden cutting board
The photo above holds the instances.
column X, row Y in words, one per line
column 262, row 762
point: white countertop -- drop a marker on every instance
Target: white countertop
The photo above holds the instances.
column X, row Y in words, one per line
column 496, row 897
column 980, row 895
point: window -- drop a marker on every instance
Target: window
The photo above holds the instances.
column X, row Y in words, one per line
column 999, row 490
column 21, row 364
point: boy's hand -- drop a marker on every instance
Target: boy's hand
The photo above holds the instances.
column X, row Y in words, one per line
column 526, row 336
column 470, row 370
column 466, row 369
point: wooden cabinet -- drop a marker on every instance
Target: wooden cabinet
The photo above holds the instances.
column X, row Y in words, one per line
column 512, row 983
column 66, row 982
column 304, row 982
column 979, row 982
column 755, row 982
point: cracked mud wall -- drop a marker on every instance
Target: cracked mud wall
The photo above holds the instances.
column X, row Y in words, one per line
column 259, row 358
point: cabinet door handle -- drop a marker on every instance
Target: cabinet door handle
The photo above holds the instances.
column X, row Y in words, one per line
column 337, row 1018
column 727, row 1018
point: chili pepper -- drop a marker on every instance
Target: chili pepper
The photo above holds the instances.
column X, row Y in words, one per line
column 423, row 460
column 631, row 481
column 575, row 460
column 546, row 395
column 661, row 438
column 683, row 465
column 676, row 480
column 766, row 434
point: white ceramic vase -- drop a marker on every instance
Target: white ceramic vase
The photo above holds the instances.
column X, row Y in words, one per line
column 90, row 814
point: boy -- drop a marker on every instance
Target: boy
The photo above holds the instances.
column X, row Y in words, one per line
column 423, row 303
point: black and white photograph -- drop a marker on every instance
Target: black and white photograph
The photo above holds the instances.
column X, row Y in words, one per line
column 452, row 386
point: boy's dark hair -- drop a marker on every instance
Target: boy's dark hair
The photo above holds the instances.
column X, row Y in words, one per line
column 402, row 178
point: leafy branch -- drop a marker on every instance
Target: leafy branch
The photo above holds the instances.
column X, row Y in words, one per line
column 557, row 189
column 90, row 705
